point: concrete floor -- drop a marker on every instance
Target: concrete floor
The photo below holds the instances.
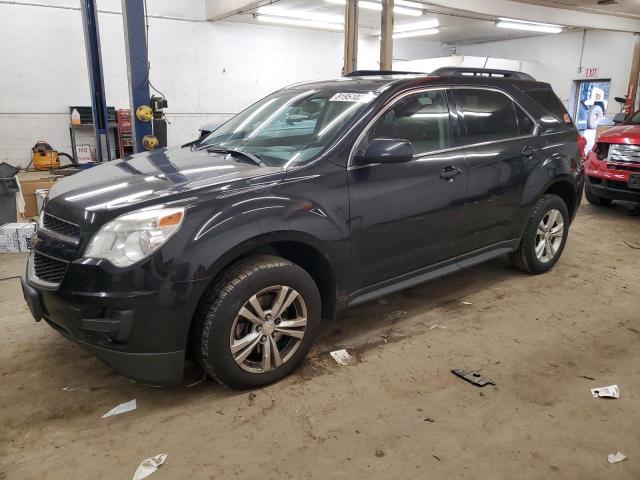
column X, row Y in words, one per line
column 397, row 412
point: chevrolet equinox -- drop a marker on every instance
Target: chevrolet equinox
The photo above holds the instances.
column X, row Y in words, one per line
column 324, row 195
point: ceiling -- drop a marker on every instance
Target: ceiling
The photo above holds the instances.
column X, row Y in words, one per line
column 629, row 8
column 458, row 29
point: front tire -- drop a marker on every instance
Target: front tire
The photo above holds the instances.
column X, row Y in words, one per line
column 258, row 323
column 544, row 236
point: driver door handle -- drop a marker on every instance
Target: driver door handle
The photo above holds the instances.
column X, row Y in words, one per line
column 449, row 172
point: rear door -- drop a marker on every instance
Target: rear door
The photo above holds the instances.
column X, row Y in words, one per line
column 405, row 216
column 502, row 147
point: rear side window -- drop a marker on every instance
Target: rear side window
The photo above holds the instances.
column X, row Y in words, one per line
column 550, row 102
column 525, row 124
column 421, row 118
column 488, row 115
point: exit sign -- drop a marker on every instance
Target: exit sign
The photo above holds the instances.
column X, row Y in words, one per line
column 592, row 72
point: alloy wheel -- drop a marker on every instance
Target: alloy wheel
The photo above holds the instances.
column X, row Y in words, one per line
column 549, row 235
column 268, row 329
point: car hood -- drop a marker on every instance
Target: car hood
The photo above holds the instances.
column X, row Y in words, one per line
column 151, row 178
column 629, row 134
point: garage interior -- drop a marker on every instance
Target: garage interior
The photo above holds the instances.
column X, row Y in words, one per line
column 76, row 76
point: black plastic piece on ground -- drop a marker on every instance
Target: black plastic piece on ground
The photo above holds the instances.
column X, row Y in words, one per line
column 473, row 377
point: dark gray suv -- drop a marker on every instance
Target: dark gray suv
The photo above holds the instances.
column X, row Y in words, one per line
column 324, row 195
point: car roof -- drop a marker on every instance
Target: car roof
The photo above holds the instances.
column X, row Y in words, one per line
column 379, row 83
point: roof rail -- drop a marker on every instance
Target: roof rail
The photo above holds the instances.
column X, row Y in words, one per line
column 481, row 72
column 365, row 73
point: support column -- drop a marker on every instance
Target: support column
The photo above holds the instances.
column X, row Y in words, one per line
column 135, row 40
column 386, row 32
column 632, row 91
column 350, row 37
column 96, row 79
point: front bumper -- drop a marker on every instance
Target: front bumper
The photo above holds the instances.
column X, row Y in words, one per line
column 142, row 335
column 612, row 189
column 611, row 179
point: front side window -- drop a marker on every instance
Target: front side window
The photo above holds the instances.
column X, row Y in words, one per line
column 488, row 115
column 290, row 127
column 421, row 118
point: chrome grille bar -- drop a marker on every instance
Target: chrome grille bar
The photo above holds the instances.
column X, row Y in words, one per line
column 624, row 153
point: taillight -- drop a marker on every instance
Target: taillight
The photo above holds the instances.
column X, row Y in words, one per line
column 582, row 145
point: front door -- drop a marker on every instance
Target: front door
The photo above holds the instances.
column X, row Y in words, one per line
column 409, row 215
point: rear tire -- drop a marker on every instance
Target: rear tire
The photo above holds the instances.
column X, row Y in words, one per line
column 257, row 323
column 544, row 237
column 594, row 199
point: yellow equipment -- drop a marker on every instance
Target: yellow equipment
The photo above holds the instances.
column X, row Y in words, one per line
column 44, row 157
column 144, row 113
column 149, row 142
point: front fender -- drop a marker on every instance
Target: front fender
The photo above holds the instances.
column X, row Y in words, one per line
column 311, row 210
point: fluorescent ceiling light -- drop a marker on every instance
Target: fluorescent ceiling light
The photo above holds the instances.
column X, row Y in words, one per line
column 410, row 27
column 297, row 22
column 416, row 33
column 529, row 27
column 399, row 10
column 528, row 22
column 300, row 14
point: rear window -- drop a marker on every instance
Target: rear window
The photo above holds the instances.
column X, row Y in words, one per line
column 549, row 100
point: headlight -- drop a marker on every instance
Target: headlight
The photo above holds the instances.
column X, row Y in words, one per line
column 132, row 237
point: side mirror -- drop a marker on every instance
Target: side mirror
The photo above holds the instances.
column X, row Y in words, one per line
column 619, row 118
column 386, row 150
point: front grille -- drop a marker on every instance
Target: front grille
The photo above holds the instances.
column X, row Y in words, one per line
column 627, row 168
column 62, row 227
column 619, row 152
column 48, row 269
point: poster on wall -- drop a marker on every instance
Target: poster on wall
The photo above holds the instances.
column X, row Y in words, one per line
column 83, row 153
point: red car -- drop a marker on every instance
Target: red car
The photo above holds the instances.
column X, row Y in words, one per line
column 613, row 166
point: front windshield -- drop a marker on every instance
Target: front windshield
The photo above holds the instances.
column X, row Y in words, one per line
column 289, row 127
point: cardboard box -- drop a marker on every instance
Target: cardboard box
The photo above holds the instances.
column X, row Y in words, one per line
column 29, row 188
column 16, row 237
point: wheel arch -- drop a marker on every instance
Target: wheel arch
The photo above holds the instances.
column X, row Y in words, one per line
column 567, row 191
column 302, row 249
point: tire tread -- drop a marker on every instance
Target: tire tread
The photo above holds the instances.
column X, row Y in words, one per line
column 207, row 309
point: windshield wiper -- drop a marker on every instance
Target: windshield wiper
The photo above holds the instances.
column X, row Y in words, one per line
column 233, row 151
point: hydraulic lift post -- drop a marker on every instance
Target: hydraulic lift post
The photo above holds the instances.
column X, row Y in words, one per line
column 96, row 79
column 135, row 37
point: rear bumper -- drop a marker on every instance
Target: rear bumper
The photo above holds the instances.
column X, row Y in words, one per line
column 142, row 335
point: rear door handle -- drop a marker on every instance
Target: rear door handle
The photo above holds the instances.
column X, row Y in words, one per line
column 447, row 173
column 528, row 151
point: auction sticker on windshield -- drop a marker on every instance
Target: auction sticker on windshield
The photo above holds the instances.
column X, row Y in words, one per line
column 352, row 97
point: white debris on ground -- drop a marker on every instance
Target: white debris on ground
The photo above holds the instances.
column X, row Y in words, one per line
column 612, row 391
column 342, row 357
column 616, row 457
column 149, row 466
column 467, row 303
column 122, row 408
column 436, row 326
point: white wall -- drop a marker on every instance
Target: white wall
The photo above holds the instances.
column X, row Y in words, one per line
column 207, row 70
column 557, row 58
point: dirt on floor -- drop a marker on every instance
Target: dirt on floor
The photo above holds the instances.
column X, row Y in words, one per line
column 397, row 412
